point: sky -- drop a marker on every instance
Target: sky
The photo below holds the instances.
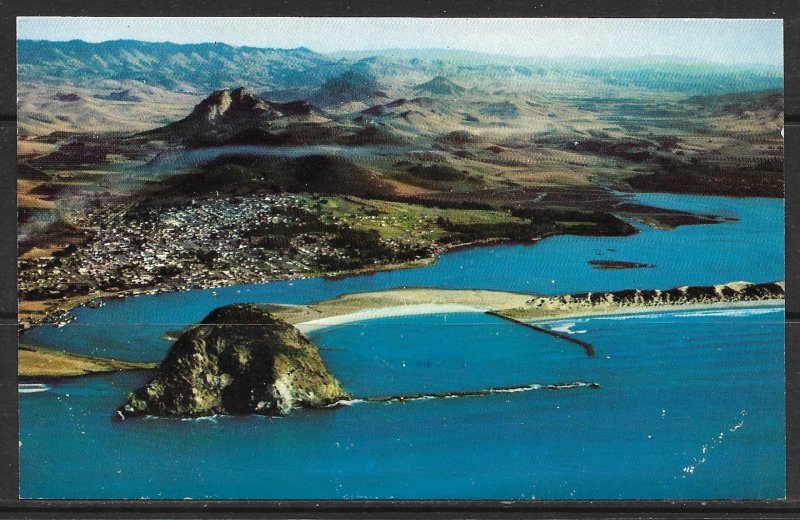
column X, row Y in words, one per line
column 728, row 41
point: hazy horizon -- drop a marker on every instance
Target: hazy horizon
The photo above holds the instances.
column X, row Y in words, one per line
column 728, row 42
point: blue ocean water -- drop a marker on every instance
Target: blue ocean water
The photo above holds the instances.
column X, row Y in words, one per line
column 750, row 249
column 690, row 404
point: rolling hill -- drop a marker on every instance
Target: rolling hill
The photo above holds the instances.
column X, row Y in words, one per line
column 204, row 67
column 200, row 67
column 349, row 86
column 439, row 86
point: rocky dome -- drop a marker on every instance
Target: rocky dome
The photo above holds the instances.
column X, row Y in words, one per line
column 226, row 113
column 229, row 105
column 218, row 117
column 238, row 360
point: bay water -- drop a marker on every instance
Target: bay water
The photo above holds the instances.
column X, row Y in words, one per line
column 690, row 404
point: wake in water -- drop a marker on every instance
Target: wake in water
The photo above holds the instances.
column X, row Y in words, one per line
column 32, row 388
column 567, row 328
column 736, row 313
column 729, row 312
column 469, row 393
column 707, row 447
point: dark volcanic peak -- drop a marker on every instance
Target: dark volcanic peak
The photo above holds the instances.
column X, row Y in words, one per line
column 440, row 86
column 349, row 86
column 218, row 117
column 225, row 105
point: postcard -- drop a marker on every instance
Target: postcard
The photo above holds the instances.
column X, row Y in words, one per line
column 401, row 258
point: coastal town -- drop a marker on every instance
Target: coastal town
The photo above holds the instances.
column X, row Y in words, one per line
column 208, row 242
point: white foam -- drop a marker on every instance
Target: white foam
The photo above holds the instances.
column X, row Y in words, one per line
column 567, row 328
column 642, row 316
column 345, row 402
column 736, row 312
column 520, row 389
column 32, row 388
column 731, row 312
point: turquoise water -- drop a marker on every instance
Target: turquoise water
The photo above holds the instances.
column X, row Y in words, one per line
column 695, row 411
column 750, row 249
column 690, row 404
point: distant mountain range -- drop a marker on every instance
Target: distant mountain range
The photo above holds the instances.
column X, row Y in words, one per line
column 204, row 67
column 194, row 67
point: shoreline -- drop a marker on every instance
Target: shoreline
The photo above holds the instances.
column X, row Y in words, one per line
column 396, row 302
column 535, row 315
column 372, row 313
column 368, row 314
column 55, row 312
column 59, row 309
column 38, row 363
column 652, row 309
column 43, row 363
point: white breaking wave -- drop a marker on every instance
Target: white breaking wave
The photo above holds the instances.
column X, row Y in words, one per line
column 345, row 402
column 515, row 390
column 643, row 316
column 732, row 312
column 567, row 328
column 32, row 388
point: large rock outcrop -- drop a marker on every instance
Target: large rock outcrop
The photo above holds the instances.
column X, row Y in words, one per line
column 218, row 117
column 238, row 360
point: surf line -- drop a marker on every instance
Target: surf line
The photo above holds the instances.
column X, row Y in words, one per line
column 467, row 393
column 560, row 335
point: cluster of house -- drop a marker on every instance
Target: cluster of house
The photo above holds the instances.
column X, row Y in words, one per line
column 203, row 243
